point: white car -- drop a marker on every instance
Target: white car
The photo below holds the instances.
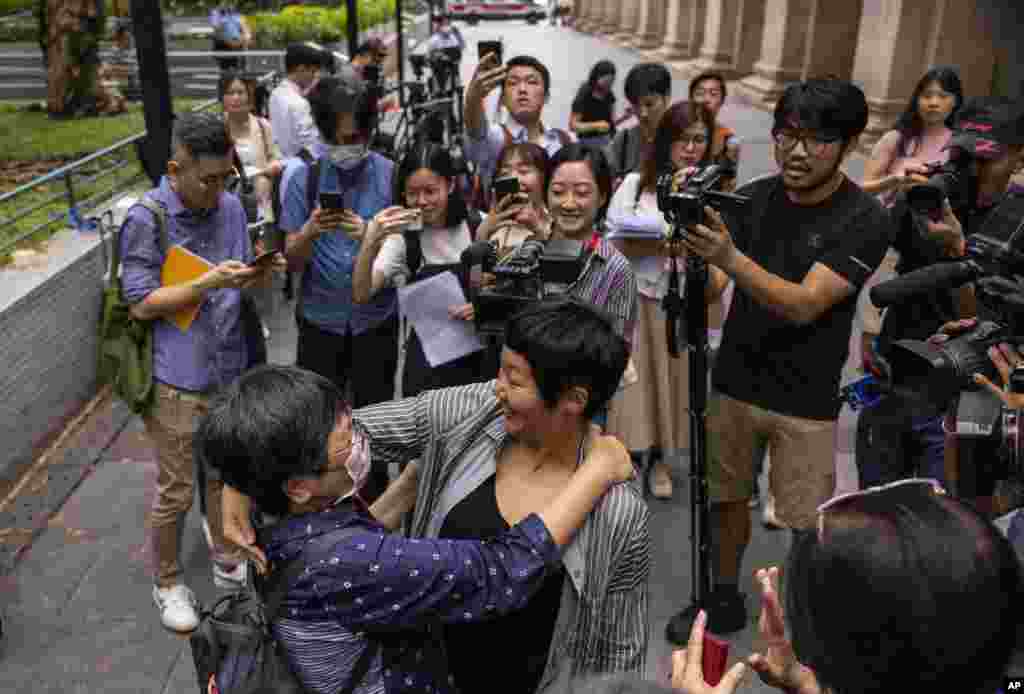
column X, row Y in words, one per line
column 472, row 11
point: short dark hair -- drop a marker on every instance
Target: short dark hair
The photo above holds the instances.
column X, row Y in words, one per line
column 436, row 158
column 269, row 426
column 332, row 96
column 932, row 595
column 230, row 76
column 201, row 134
column 531, row 62
column 646, row 79
column 298, row 55
column 706, row 76
column 595, row 159
column 824, row 104
column 569, row 343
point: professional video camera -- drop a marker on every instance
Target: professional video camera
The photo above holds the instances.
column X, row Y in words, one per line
column 942, row 374
column 685, row 208
column 538, row 269
column 955, row 180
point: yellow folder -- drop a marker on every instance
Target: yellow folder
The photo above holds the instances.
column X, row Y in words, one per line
column 182, row 265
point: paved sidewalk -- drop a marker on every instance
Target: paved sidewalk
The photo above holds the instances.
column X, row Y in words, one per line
column 80, row 617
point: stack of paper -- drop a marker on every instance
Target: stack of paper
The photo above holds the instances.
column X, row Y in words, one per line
column 645, row 227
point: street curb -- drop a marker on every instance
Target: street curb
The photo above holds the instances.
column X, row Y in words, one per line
column 54, row 476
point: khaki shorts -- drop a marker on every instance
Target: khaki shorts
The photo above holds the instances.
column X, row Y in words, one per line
column 802, row 473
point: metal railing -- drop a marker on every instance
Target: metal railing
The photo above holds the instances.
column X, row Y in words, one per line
column 79, row 174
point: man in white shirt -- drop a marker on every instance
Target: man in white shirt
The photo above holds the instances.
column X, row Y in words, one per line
column 290, row 117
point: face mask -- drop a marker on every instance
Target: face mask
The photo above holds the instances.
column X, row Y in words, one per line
column 358, row 464
column 347, row 157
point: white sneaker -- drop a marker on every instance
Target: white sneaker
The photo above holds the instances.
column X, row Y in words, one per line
column 233, row 579
column 177, row 606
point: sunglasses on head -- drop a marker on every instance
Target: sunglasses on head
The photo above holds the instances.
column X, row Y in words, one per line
column 922, row 482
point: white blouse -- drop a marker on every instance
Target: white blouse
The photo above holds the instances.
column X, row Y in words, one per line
column 441, row 246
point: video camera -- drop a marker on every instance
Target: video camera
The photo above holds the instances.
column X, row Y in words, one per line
column 942, row 374
column 538, row 269
column 685, row 208
column 954, row 180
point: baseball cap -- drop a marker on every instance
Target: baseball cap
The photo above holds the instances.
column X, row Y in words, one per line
column 987, row 124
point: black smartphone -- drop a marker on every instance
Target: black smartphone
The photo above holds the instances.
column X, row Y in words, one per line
column 332, row 201
column 485, row 47
column 503, row 187
column 263, row 259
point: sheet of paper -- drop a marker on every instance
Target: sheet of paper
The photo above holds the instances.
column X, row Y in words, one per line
column 425, row 303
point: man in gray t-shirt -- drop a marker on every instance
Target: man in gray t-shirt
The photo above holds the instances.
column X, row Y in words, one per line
column 648, row 89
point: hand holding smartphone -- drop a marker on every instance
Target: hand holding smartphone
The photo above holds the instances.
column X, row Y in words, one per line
column 504, row 187
column 332, row 201
column 713, row 658
column 485, row 47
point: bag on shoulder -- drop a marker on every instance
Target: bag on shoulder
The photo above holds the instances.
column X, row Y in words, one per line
column 126, row 343
column 235, row 642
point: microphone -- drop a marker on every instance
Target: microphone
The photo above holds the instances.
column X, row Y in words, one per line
column 923, row 281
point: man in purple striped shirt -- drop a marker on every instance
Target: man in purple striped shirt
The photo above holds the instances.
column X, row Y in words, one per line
column 189, row 365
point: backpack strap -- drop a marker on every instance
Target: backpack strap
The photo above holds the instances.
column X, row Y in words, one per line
column 282, row 579
column 160, row 213
column 413, row 251
column 312, row 183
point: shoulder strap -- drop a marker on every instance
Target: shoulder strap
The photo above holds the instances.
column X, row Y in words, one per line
column 508, row 134
column 262, row 122
column 312, row 183
column 624, row 152
column 161, row 219
column 413, row 250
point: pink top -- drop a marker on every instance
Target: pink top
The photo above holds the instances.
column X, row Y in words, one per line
column 930, row 149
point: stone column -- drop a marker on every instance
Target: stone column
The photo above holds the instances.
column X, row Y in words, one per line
column 651, row 25
column 900, row 39
column 732, row 38
column 684, row 32
column 610, row 18
column 590, row 15
column 788, row 27
column 628, row 20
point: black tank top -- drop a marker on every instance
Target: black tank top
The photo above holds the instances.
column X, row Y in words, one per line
column 519, row 641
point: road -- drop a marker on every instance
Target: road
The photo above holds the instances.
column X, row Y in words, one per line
column 80, row 615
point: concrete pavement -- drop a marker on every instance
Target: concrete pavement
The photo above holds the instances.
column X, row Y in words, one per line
column 77, row 592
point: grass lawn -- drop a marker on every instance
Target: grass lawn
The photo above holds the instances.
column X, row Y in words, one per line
column 31, row 144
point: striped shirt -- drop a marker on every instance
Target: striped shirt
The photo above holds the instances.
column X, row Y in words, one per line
column 608, row 282
column 457, row 434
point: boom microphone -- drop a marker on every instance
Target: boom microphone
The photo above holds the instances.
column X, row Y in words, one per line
column 924, row 281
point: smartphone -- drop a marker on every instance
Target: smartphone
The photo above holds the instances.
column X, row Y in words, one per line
column 485, row 47
column 503, row 187
column 715, row 655
column 332, row 201
column 263, row 259
column 417, row 224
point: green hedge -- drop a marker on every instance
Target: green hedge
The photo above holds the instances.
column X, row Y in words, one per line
column 311, row 23
column 11, row 6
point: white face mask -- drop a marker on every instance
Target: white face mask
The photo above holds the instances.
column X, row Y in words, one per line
column 347, row 157
column 358, row 464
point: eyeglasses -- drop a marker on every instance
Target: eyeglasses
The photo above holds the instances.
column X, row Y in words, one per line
column 220, row 181
column 710, row 93
column 816, row 144
column 923, row 482
column 695, row 140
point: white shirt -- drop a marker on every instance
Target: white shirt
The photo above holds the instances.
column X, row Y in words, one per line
column 291, row 119
column 441, row 246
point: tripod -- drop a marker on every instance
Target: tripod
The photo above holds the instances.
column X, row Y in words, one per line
column 695, row 310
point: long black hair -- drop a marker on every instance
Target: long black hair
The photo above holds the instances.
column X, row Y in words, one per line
column 601, row 69
column 909, row 124
column 436, row 158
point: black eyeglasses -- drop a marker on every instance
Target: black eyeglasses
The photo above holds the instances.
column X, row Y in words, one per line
column 816, row 144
